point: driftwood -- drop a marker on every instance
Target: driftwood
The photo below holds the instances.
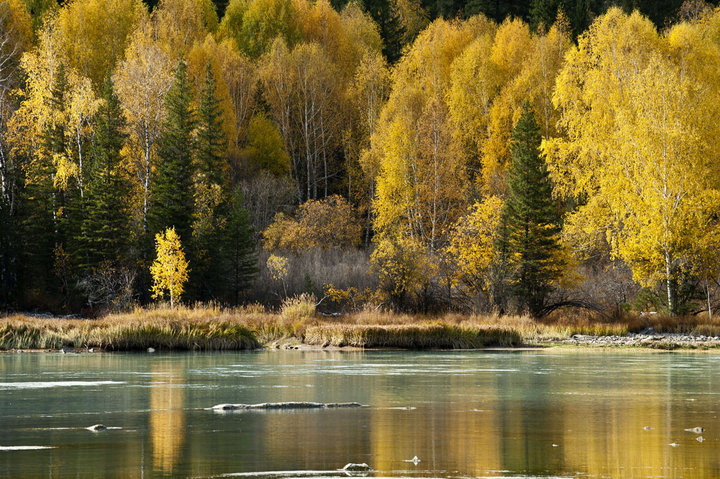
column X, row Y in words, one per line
column 285, row 405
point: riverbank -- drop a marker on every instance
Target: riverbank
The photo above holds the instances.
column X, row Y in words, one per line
column 215, row 329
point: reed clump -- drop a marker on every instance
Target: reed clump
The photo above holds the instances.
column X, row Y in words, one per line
column 411, row 336
column 163, row 330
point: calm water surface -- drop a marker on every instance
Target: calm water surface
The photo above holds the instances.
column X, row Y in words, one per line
column 463, row 414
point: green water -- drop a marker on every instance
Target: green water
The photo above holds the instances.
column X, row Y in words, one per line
column 465, row 414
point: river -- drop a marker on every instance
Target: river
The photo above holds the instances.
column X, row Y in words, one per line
column 462, row 414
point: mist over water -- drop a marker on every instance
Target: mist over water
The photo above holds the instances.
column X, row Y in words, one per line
column 462, row 414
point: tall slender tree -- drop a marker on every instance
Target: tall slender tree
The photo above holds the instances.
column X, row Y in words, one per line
column 107, row 221
column 531, row 219
column 239, row 241
column 172, row 186
column 385, row 14
column 211, row 195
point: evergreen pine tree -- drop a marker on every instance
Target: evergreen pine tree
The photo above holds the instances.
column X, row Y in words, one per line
column 8, row 252
column 239, row 242
column 211, row 196
column 172, row 186
column 385, row 14
column 211, row 141
column 531, row 218
column 107, row 223
column 40, row 212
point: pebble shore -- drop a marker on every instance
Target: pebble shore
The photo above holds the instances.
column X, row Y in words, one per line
column 651, row 340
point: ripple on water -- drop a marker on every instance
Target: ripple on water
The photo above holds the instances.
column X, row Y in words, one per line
column 55, row 384
column 24, row 448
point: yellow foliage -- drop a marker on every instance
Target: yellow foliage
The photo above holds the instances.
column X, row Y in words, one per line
column 94, row 34
column 402, row 265
column 65, row 170
column 328, row 223
column 16, row 22
column 241, row 79
column 642, row 139
column 170, row 269
column 279, row 267
column 472, row 245
column 363, row 35
column 178, row 24
column 30, row 122
column 141, row 81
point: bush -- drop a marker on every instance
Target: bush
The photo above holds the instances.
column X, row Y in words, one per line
column 298, row 307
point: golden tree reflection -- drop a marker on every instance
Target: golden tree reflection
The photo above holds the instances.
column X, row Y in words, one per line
column 167, row 417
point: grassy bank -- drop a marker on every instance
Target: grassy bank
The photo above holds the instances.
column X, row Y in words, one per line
column 211, row 328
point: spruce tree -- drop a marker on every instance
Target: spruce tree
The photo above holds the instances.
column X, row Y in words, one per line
column 385, row 14
column 239, row 241
column 211, row 141
column 531, row 218
column 107, row 223
column 211, row 196
column 40, row 222
column 172, row 186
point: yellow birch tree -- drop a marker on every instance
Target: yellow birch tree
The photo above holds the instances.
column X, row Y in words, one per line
column 170, row 269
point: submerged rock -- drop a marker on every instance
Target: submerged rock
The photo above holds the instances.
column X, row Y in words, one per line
column 96, row 428
column 351, row 466
column 285, row 405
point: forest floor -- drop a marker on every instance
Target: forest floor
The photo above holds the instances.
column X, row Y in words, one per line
column 213, row 328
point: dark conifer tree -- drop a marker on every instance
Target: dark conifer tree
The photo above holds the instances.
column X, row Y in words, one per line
column 240, row 244
column 211, row 196
column 385, row 14
column 41, row 209
column 106, row 228
column 531, row 219
column 211, row 142
column 8, row 251
column 172, row 189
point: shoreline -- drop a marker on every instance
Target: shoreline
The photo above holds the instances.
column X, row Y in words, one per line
column 212, row 329
column 586, row 344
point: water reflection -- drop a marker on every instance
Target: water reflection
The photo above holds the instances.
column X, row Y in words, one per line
column 167, row 423
column 468, row 415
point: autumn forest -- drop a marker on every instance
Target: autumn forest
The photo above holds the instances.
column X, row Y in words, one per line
column 417, row 156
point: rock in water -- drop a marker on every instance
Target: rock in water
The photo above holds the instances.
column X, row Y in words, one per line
column 96, row 428
column 351, row 466
column 224, row 407
column 285, row 405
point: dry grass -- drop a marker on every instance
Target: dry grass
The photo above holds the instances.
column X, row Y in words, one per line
column 185, row 329
column 209, row 327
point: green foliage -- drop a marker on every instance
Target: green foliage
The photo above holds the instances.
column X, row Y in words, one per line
column 385, row 14
column 172, row 186
column 106, row 231
column 531, row 219
column 211, row 141
column 211, row 194
column 241, row 249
